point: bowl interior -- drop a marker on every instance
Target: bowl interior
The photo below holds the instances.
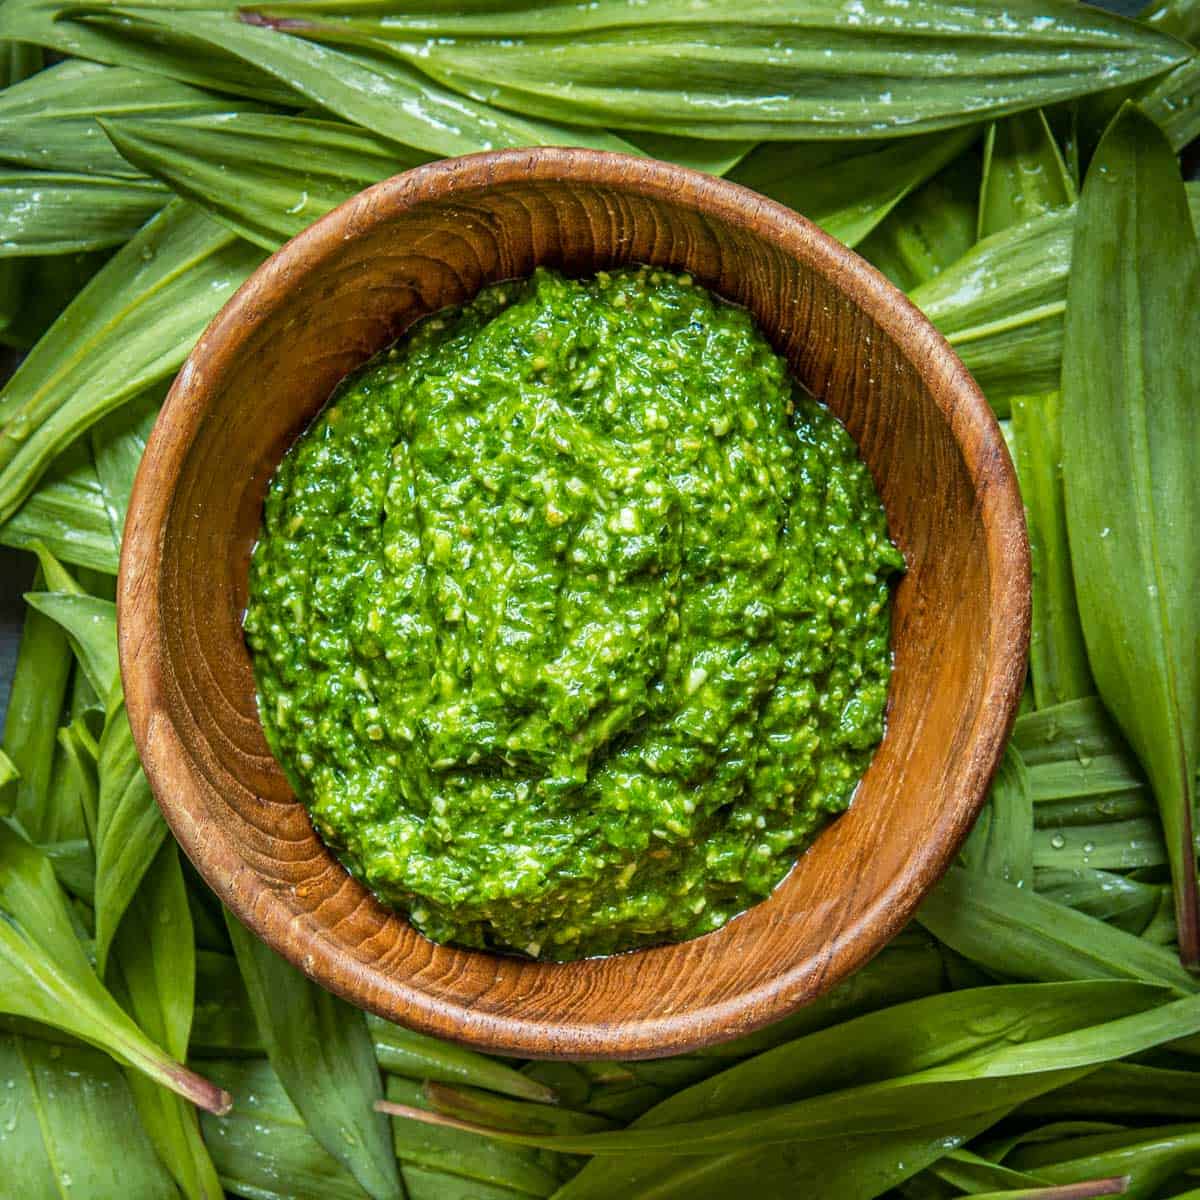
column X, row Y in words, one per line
column 343, row 291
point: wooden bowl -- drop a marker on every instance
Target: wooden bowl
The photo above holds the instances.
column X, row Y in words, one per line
column 346, row 288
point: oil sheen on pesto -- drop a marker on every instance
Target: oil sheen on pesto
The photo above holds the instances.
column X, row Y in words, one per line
column 570, row 617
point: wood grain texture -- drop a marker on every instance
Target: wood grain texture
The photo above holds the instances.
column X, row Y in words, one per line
column 346, row 288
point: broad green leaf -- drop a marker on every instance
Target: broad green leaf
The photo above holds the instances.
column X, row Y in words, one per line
column 68, row 1127
column 701, row 154
column 45, row 976
column 1113, row 846
column 152, row 973
column 815, row 70
column 1079, row 731
column 45, row 23
column 262, row 1148
column 1002, row 843
column 91, row 626
column 18, row 61
column 1124, row 1091
column 1149, row 1157
column 848, row 188
column 39, row 688
column 1129, row 380
column 1057, row 656
column 1024, row 175
column 74, row 866
column 43, row 288
column 423, row 1184
column 382, row 95
column 404, row 1052
column 49, row 121
column 1180, row 18
column 1001, row 307
column 930, row 229
column 1117, row 899
column 129, row 329
column 265, row 176
column 975, row 1175
column 1022, row 935
column 129, row 826
column 47, row 212
column 118, row 443
column 472, row 1104
column 462, row 1152
column 320, row 1048
column 1062, row 1044
column 66, row 513
column 907, row 969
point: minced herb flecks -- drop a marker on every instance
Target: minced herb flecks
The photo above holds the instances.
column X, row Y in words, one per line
column 570, row 617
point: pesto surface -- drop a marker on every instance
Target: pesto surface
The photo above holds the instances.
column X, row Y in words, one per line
column 570, row 617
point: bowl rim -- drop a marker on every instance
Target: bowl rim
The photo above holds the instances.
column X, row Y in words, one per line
column 985, row 457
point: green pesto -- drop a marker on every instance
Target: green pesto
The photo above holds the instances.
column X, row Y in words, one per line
column 570, row 617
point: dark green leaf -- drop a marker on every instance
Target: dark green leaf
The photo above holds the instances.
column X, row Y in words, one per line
column 130, row 328
column 1024, row 175
column 382, row 95
column 1113, row 846
column 1075, row 732
column 45, row 976
column 930, row 229
column 1150, row 1157
column 1118, row 899
column 152, row 969
column 46, row 212
column 403, row 1052
column 758, row 70
column 39, row 688
column 1124, row 1091
column 265, row 176
column 1002, row 843
column 321, row 1050
column 74, row 866
column 68, row 1127
column 848, row 188
column 1057, row 657
column 1132, row 491
column 262, row 1148
column 18, row 61
column 44, row 23
column 1020, row 934
column 43, row 288
column 49, row 121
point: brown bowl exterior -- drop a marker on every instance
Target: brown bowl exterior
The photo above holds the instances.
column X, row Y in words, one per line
column 346, row 288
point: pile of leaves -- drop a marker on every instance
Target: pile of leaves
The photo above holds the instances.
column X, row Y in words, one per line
column 1011, row 165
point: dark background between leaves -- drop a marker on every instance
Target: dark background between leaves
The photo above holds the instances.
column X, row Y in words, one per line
column 16, row 568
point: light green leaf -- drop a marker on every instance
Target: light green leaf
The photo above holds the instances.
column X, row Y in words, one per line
column 265, row 176
column 118, row 443
column 45, row 976
column 45, row 212
column 129, row 329
column 129, row 826
column 66, row 514
column 91, row 626
column 320, row 1047
column 759, row 70
column 848, row 188
column 49, row 121
column 1130, row 378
